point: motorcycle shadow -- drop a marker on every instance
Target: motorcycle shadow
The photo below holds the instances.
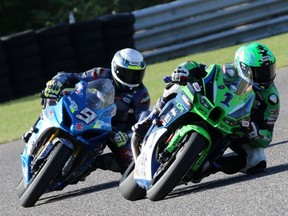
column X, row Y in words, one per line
column 195, row 188
column 277, row 143
column 78, row 192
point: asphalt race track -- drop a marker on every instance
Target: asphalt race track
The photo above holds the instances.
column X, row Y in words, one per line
column 225, row 195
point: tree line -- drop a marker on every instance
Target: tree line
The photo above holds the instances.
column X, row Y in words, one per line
column 20, row 15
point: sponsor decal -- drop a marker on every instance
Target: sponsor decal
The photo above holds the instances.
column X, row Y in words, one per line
column 79, row 126
column 51, row 113
column 180, row 106
column 245, row 123
column 126, row 99
column 196, row 86
column 100, row 124
column 173, row 112
column 73, row 106
column 273, row 99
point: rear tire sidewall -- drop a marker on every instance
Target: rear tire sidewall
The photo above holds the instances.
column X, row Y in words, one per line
column 128, row 187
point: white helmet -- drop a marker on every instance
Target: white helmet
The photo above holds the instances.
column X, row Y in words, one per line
column 128, row 68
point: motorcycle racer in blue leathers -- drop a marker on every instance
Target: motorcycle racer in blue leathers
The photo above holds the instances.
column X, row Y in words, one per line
column 131, row 98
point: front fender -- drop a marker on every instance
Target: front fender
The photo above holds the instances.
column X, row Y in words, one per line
column 185, row 130
column 188, row 129
column 26, row 157
column 146, row 163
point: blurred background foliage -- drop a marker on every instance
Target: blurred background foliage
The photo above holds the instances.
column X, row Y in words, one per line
column 20, row 15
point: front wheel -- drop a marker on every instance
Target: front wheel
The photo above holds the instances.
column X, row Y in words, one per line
column 20, row 189
column 128, row 187
column 171, row 175
column 55, row 162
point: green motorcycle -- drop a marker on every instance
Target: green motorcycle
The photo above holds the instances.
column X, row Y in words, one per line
column 193, row 129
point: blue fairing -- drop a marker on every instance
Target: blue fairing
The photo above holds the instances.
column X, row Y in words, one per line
column 84, row 114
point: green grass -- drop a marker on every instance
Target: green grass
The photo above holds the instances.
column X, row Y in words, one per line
column 17, row 116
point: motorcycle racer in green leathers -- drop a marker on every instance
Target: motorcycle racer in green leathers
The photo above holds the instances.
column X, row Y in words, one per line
column 248, row 154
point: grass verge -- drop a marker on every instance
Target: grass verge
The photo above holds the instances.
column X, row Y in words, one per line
column 17, row 116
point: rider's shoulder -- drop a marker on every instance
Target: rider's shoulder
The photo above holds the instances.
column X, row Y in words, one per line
column 140, row 90
column 141, row 87
column 272, row 90
column 99, row 72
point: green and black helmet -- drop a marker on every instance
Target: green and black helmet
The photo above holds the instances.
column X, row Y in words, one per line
column 260, row 60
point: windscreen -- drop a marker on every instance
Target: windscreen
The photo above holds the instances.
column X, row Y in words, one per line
column 100, row 93
column 237, row 84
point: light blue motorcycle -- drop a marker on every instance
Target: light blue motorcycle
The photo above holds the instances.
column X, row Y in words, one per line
column 67, row 139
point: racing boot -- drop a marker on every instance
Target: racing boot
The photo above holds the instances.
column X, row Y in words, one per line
column 258, row 168
column 106, row 162
column 255, row 160
column 230, row 164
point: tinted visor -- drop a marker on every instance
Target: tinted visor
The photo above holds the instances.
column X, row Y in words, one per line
column 264, row 74
column 130, row 76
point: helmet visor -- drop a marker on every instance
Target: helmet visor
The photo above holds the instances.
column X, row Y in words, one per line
column 130, row 76
column 264, row 74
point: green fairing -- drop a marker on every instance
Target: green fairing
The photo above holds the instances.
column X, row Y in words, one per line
column 225, row 103
column 228, row 112
column 182, row 132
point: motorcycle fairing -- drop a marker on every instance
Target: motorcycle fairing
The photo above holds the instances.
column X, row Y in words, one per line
column 221, row 108
column 146, row 163
column 63, row 116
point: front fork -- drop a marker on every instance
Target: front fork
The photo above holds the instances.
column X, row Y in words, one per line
column 174, row 141
column 182, row 132
column 30, row 165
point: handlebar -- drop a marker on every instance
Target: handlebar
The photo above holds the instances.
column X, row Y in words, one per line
column 168, row 79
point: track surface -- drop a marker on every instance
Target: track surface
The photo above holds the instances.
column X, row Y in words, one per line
column 262, row 194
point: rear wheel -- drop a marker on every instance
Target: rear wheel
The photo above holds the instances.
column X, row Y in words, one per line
column 169, row 177
column 128, row 187
column 39, row 183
